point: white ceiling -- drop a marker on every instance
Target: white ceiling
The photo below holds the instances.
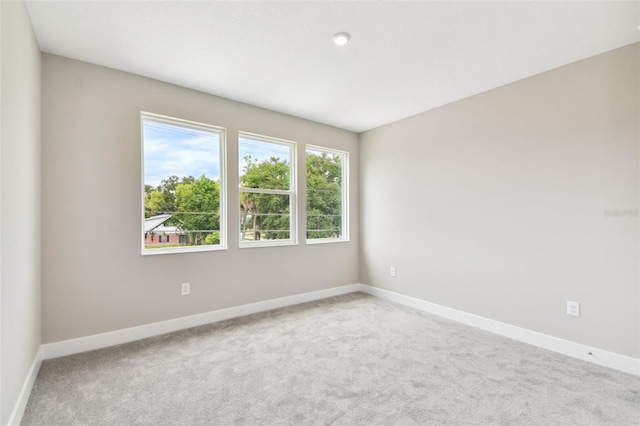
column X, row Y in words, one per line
column 404, row 57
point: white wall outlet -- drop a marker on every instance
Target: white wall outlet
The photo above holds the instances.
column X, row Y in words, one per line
column 185, row 289
column 392, row 271
column 573, row 308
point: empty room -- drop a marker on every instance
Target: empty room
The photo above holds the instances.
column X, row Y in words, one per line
column 319, row 212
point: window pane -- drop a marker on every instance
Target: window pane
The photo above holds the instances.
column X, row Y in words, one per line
column 264, row 164
column 264, row 217
column 325, row 194
column 267, row 194
column 182, row 190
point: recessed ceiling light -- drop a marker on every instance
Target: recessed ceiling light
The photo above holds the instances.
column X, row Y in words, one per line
column 341, row 38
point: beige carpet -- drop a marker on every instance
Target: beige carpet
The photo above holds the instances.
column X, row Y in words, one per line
column 349, row 360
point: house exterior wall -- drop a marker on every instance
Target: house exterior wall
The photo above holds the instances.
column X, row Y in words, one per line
column 153, row 239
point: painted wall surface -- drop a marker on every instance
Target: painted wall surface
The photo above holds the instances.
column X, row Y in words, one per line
column 20, row 207
column 509, row 203
column 92, row 183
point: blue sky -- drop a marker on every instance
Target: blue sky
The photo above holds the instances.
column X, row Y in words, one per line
column 170, row 150
column 260, row 150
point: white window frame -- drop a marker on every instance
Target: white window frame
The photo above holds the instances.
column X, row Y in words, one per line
column 292, row 192
column 344, row 155
column 223, row 182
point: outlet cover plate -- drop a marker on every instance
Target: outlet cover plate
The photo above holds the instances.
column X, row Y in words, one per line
column 185, row 289
column 573, row 308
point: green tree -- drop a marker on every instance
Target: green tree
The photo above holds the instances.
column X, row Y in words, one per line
column 198, row 208
column 267, row 214
column 324, row 196
column 162, row 199
column 213, row 238
column 193, row 203
column 155, row 203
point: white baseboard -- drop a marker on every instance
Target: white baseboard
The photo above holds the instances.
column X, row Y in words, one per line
column 83, row 344
column 565, row 347
column 18, row 409
column 555, row 344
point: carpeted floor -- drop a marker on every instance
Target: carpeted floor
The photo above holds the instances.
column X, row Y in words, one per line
column 350, row 360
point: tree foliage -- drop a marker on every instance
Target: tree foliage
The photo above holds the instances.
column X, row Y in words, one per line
column 266, row 215
column 193, row 203
column 198, row 207
column 324, row 196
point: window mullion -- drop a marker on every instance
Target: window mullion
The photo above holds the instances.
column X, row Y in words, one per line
column 266, row 191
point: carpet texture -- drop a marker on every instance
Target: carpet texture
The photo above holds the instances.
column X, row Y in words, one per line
column 349, row 360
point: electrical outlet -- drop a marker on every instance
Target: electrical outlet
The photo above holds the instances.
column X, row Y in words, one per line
column 573, row 308
column 185, row 289
column 392, row 271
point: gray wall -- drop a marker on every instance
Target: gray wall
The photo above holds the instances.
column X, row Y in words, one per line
column 495, row 205
column 20, row 203
column 94, row 278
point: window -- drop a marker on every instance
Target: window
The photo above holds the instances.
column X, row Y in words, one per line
column 183, row 185
column 327, row 189
column 267, row 191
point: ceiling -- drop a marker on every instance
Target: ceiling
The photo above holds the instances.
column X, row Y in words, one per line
column 403, row 58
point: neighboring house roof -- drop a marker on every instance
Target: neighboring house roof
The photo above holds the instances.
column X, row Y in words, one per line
column 153, row 222
column 167, row 229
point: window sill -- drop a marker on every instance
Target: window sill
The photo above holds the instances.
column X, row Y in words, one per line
column 264, row 243
column 179, row 250
column 327, row 241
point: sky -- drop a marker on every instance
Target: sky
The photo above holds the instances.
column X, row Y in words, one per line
column 179, row 151
column 260, row 151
